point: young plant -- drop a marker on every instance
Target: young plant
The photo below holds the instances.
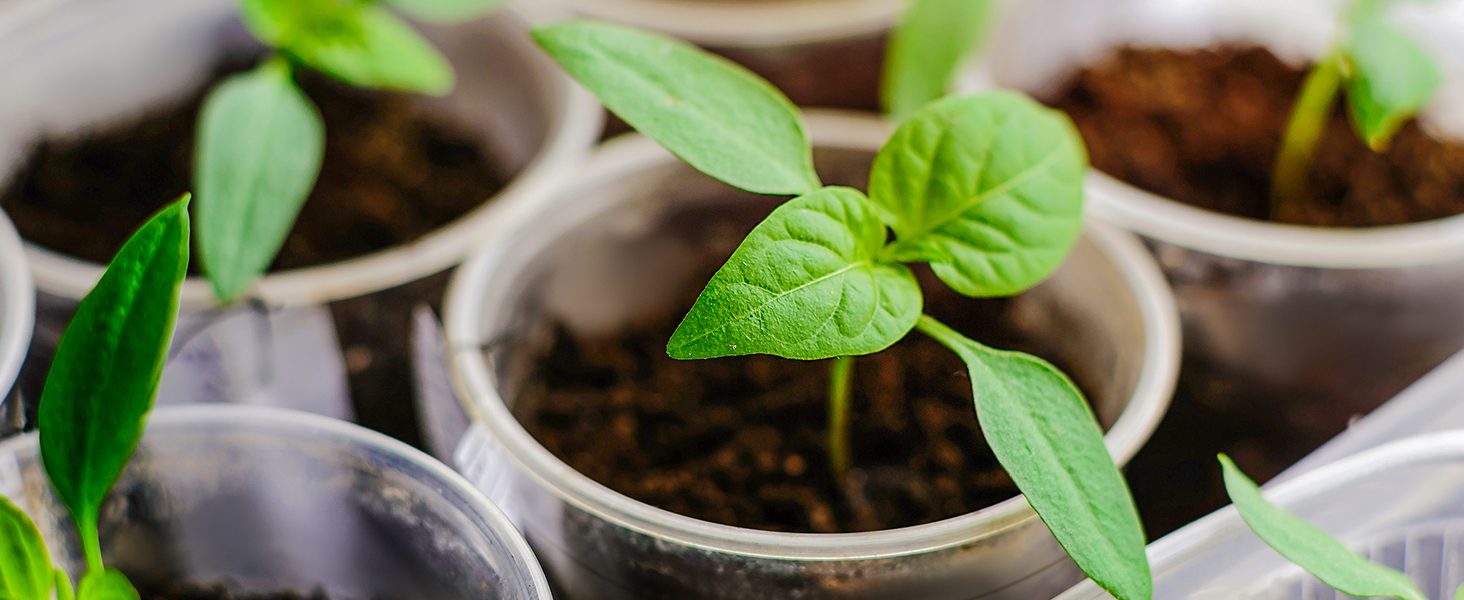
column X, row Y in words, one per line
column 987, row 190
column 261, row 141
column 926, row 47
column 1388, row 79
column 1311, row 548
column 95, row 405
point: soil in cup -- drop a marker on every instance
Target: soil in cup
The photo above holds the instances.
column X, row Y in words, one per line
column 221, row 592
column 741, row 441
column 391, row 175
column 1202, row 127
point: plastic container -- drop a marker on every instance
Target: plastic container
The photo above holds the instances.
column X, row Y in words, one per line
column 81, row 63
column 602, row 253
column 1289, row 329
column 269, row 499
column 17, row 319
column 1401, row 504
column 820, row 52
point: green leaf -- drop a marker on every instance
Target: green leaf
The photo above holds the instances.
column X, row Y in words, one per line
column 988, row 189
column 106, row 369
column 1311, row 548
column 713, row 114
column 925, row 49
column 359, row 43
column 110, row 584
column 25, row 564
column 1045, row 435
column 1459, row 593
column 260, row 144
column 1392, row 78
column 446, row 11
column 804, row 285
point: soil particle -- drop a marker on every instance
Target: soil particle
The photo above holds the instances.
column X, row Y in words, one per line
column 1202, row 127
column 741, row 441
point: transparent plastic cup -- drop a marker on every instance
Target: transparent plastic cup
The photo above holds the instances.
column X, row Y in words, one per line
column 268, row 499
column 1400, row 504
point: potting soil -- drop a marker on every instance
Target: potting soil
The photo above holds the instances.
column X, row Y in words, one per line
column 1203, row 126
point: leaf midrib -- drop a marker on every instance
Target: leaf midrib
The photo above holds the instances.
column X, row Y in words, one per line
column 775, row 298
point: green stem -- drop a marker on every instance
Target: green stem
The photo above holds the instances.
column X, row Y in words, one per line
column 64, row 591
column 839, row 375
column 91, row 544
column 1303, row 132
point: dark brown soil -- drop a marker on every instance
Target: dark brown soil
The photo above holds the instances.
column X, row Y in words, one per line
column 1202, row 127
column 222, row 592
column 740, row 441
column 391, row 174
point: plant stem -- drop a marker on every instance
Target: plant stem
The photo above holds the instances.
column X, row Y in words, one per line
column 91, row 544
column 1303, row 132
column 839, row 375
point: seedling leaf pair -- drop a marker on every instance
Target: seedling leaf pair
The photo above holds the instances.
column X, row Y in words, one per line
column 94, row 406
column 987, row 189
column 1311, row 548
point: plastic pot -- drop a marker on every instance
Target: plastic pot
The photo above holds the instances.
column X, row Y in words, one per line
column 1292, row 329
column 85, row 63
column 17, row 317
column 820, row 52
column 602, row 253
column 1401, row 504
column 267, row 499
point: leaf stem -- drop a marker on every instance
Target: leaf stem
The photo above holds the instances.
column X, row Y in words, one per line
column 840, row 374
column 91, row 544
column 1304, row 130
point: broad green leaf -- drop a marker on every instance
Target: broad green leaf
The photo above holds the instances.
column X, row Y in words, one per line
column 988, row 189
column 25, row 565
column 713, row 114
column 260, row 144
column 359, row 43
column 925, row 49
column 106, row 369
column 1311, row 548
column 1459, row 593
column 110, row 584
column 446, row 11
column 804, row 284
column 1045, row 435
column 1392, row 78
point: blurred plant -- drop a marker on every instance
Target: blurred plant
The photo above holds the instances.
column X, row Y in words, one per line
column 94, row 406
column 261, row 141
column 1388, row 79
column 926, row 47
column 1311, row 548
column 985, row 189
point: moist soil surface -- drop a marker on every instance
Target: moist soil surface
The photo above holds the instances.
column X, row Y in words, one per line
column 1202, row 127
column 391, row 174
column 741, row 441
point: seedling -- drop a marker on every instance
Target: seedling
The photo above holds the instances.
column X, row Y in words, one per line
column 1388, row 79
column 1313, row 549
column 261, row 141
column 95, row 405
column 985, row 189
column 926, row 47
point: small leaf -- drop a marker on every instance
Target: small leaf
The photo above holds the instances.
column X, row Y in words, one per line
column 1311, row 548
column 260, row 144
column 925, row 49
column 1459, row 593
column 713, row 114
column 358, row 43
column 446, row 11
column 1392, row 78
column 106, row 369
column 110, row 584
column 804, row 285
column 25, row 564
column 988, row 189
column 1045, row 435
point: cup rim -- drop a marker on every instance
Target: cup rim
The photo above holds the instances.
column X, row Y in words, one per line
column 750, row 24
column 575, row 122
column 286, row 423
column 472, row 379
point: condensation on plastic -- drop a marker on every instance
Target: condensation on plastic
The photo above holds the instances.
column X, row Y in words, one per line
column 1400, row 504
column 268, row 499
